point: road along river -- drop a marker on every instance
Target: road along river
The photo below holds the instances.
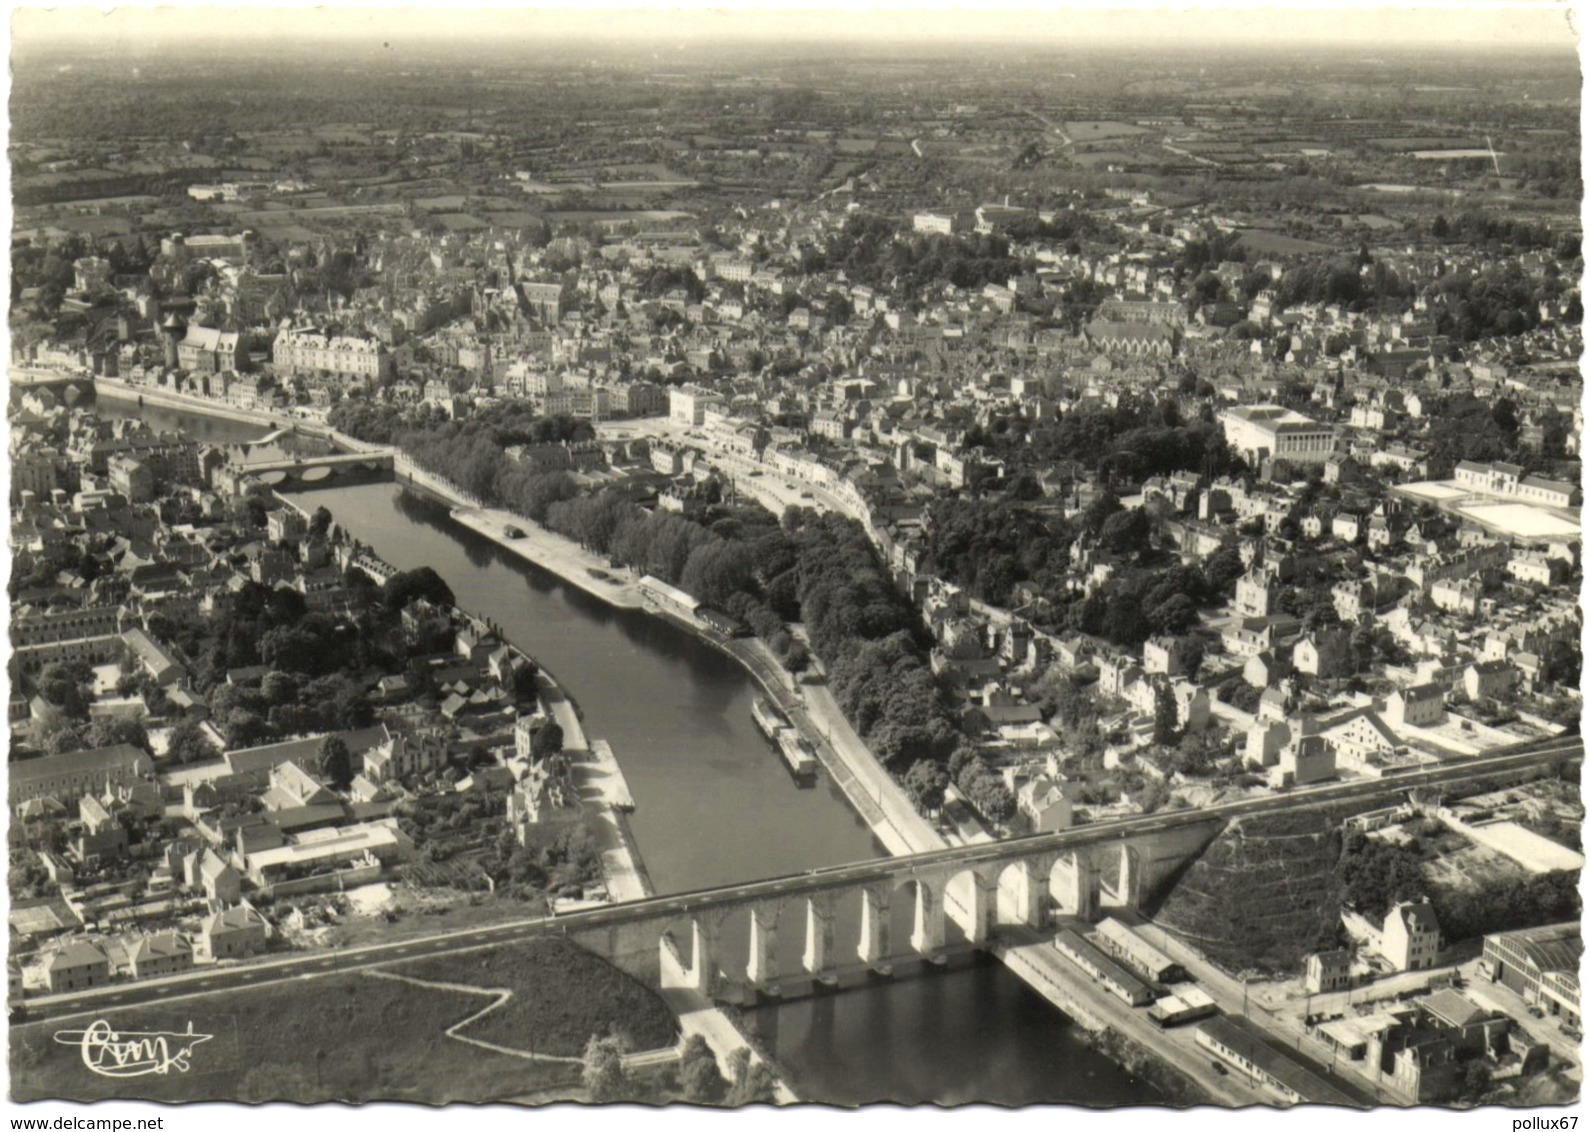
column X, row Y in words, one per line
column 715, row 806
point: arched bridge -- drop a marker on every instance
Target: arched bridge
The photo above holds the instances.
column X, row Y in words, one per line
column 924, row 906
column 297, row 465
column 309, row 470
column 828, row 925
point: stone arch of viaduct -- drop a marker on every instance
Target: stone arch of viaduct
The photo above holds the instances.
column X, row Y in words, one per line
column 1018, row 890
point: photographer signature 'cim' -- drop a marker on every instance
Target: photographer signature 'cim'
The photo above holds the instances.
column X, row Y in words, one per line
column 132, row 1053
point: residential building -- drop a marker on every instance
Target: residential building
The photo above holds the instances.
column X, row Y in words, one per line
column 77, row 966
column 233, row 933
column 165, row 954
column 131, row 478
column 205, row 349
column 1410, row 939
column 1420, row 706
column 154, row 659
column 77, row 773
column 942, row 223
column 311, row 351
column 1326, row 971
column 1048, row 803
column 687, row 404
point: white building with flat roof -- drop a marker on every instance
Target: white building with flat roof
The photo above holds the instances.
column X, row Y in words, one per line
column 1256, row 432
column 687, row 405
column 324, row 850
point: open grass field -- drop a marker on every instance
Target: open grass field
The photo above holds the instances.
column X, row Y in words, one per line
column 345, row 1038
column 1274, row 243
column 561, row 995
column 361, row 1036
column 1086, row 131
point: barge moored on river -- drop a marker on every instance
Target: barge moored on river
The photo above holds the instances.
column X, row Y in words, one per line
column 795, row 750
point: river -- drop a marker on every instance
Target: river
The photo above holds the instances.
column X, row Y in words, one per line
column 714, row 805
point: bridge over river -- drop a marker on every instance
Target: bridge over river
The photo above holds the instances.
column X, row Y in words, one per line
column 306, row 471
column 1018, row 882
column 1077, row 871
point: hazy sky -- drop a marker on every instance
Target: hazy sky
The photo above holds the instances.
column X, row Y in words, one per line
column 1466, row 25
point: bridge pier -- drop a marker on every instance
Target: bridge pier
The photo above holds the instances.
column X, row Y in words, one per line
column 762, row 969
column 978, row 924
column 1079, row 886
column 703, row 961
column 1030, row 897
column 927, row 939
column 873, row 949
column 1125, row 887
column 819, row 936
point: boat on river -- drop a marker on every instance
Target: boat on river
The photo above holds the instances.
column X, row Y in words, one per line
column 791, row 745
column 768, row 718
column 797, row 753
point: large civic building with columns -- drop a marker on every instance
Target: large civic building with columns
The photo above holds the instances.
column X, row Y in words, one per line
column 1257, row 432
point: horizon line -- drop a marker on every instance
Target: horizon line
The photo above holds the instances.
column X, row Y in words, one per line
column 1477, row 25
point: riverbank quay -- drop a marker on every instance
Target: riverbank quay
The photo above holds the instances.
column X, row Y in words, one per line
column 597, row 776
column 554, row 554
column 811, row 709
column 605, row 795
column 602, row 791
column 112, row 389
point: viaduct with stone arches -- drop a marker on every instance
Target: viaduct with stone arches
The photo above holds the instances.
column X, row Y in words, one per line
column 906, row 910
column 839, row 926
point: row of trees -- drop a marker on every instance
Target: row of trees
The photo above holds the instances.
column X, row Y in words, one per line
column 1342, row 281
column 1499, row 301
column 383, row 424
column 1495, row 233
column 698, row 1078
column 818, row 569
column 863, row 631
column 470, row 454
column 992, row 549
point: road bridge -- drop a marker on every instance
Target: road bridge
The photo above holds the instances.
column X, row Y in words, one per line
column 308, row 471
column 297, row 465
